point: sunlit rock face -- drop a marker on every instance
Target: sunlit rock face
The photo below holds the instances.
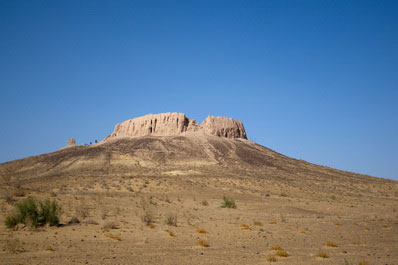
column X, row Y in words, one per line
column 171, row 124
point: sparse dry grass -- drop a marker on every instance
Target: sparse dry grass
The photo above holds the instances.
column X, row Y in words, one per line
column 322, row 254
column 148, row 218
column 203, row 243
column 331, row 244
column 201, row 231
column 49, row 248
column 171, row 219
column 276, row 247
column 258, row 223
column 282, row 253
column 245, row 227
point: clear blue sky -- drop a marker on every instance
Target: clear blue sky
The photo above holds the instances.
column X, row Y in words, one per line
column 315, row 80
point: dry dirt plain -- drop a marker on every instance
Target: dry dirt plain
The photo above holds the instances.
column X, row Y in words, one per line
column 177, row 219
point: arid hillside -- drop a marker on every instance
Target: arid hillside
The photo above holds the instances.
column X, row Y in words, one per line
column 167, row 190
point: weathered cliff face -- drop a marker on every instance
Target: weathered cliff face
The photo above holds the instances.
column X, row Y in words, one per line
column 169, row 124
column 224, row 127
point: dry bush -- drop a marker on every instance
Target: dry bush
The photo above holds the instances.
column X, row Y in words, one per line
column 245, row 227
column 331, row 244
column 203, row 243
column 282, row 253
column 276, row 247
column 322, row 254
column 201, row 231
column 148, row 218
column 171, row 219
column 49, row 248
column 258, row 223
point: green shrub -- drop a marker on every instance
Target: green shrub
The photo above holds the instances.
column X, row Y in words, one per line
column 228, row 203
column 34, row 213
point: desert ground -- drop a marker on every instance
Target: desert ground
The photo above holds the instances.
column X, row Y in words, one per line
column 176, row 218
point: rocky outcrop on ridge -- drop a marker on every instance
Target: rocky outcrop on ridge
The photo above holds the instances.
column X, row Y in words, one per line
column 71, row 142
column 172, row 124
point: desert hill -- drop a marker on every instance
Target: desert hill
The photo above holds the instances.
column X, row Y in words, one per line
column 171, row 142
column 167, row 167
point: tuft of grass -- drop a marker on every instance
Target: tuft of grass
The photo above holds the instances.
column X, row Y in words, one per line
column 282, row 253
column 283, row 194
column 276, row 247
column 245, row 227
column 258, row 223
column 148, row 218
column 49, row 248
column 363, row 262
column 331, row 244
column 171, row 233
column 272, row 259
column 203, row 243
column 228, row 203
column 323, row 255
column 201, row 231
column 33, row 212
column 171, row 219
